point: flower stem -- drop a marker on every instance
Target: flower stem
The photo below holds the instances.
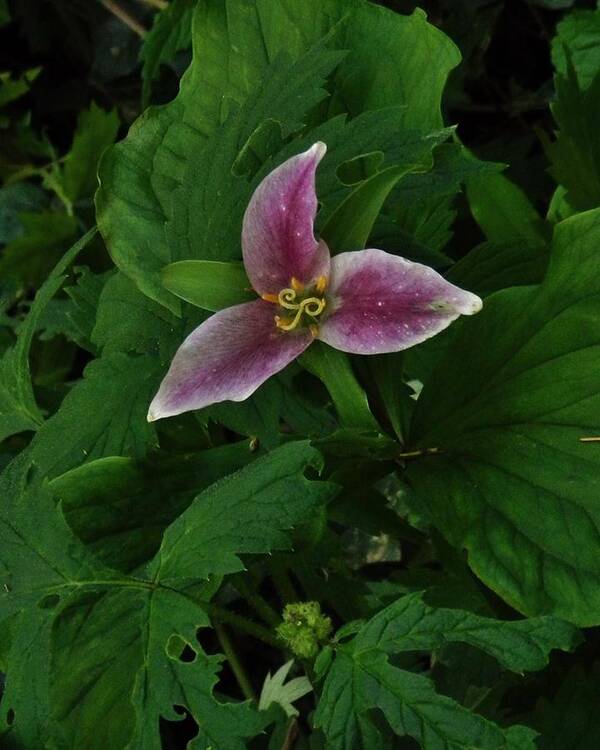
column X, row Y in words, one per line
column 283, row 584
column 235, row 663
column 258, row 603
column 243, row 624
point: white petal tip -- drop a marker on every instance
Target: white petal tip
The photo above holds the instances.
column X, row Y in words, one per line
column 474, row 305
column 319, row 149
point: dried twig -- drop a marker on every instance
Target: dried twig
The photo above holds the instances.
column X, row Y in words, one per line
column 114, row 8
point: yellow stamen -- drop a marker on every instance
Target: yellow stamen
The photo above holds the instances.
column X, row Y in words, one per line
column 274, row 298
column 314, row 329
column 321, row 284
column 297, row 285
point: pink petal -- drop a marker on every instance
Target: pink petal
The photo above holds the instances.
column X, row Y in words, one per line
column 382, row 303
column 278, row 239
column 226, row 359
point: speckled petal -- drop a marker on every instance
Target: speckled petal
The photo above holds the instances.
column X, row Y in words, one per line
column 226, row 359
column 278, row 239
column 382, row 303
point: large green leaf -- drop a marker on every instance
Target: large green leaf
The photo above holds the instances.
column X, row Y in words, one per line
column 108, row 643
column 361, row 678
column 120, row 507
column 507, row 406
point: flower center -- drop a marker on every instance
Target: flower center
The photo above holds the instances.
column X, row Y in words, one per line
column 288, row 299
column 299, row 305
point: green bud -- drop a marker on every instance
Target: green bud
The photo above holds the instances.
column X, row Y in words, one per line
column 304, row 628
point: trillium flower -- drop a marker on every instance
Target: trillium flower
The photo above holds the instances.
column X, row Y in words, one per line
column 362, row 302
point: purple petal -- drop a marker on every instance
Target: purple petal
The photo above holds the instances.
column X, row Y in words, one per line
column 382, row 303
column 278, row 239
column 226, row 359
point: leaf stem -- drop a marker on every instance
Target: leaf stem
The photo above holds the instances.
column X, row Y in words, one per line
column 235, row 663
column 114, row 8
column 243, row 624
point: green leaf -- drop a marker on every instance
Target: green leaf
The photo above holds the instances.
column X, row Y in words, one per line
column 503, row 211
column 40, row 562
column 249, row 519
column 15, row 88
column 103, row 415
column 492, row 266
column 579, row 33
column 74, row 317
column 120, row 507
column 333, row 368
column 349, row 226
column 208, row 284
column 390, row 63
column 512, row 483
column 30, row 257
column 171, row 32
column 97, row 622
column 575, row 154
column 421, row 211
column 361, row 678
column 127, row 321
column 18, row 408
column 96, row 131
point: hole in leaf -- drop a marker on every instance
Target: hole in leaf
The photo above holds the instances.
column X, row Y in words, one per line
column 10, row 717
column 179, row 649
column 178, row 733
column 356, row 170
column 49, row 602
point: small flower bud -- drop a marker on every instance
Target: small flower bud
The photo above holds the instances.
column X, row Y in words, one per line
column 304, row 629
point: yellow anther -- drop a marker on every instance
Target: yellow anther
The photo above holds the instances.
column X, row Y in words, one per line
column 274, row 298
column 321, row 284
column 297, row 285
